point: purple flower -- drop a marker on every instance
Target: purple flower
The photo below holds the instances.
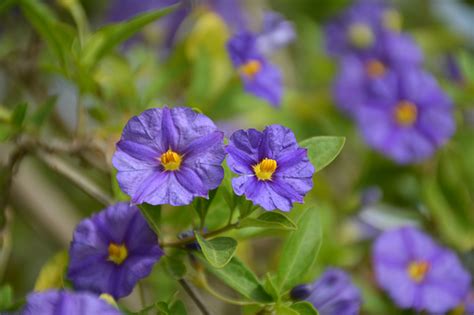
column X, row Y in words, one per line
column 260, row 78
column 411, row 121
column 418, row 273
column 371, row 77
column 273, row 171
column 358, row 29
column 276, row 33
column 112, row 250
column 169, row 156
column 54, row 302
column 332, row 294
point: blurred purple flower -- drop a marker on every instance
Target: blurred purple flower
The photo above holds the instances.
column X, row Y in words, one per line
column 358, row 28
column 229, row 10
column 260, row 78
column 332, row 294
column 276, row 33
column 112, row 250
column 54, row 302
column 273, row 170
column 169, row 156
column 371, row 77
column 418, row 273
column 411, row 121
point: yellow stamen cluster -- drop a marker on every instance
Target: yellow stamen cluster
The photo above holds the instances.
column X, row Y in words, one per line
column 117, row 253
column 360, row 35
column 375, row 68
column 170, row 160
column 417, row 270
column 406, row 113
column 265, row 169
column 251, row 68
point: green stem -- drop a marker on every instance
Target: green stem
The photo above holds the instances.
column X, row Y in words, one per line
column 191, row 239
column 193, row 295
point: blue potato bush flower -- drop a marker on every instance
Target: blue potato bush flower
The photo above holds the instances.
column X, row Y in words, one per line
column 54, row 302
column 112, row 250
column 169, row 156
column 417, row 272
column 274, row 172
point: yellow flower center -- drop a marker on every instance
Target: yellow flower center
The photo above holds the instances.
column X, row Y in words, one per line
column 251, row 68
column 170, row 160
column 417, row 270
column 265, row 169
column 374, row 68
column 360, row 35
column 406, row 113
column 117, row 253
column 392, row 20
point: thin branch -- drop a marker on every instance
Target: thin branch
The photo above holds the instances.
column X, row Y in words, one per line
column 85, row 184
column 191, row 239
column 194, row 296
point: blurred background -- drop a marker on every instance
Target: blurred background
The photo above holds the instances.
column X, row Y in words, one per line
column 75, row 108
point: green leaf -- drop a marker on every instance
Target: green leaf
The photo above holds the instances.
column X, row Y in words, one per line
column 218, row 251
column 323, row 150
column 108, row 37
column 51, row 275
column 57, row 35
column 6, row 297
column 300, row 250
column 19, row 114
column 201, row 205
column 152, row 215
column 240, row 278
column 178, row 308
column 270, row 287
column 269, row 220
column 44, row 111
column 304, row 308
column 175, row 266
column 282, row 309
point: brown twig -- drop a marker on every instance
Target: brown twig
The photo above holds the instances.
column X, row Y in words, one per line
column 193, row 295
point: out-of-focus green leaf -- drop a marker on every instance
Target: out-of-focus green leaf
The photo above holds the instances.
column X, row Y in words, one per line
column 304, row 308
column 58, row 36
column 300, row 250
column 5, row 4
column 178, row 308
column 44, row 111
column 6, row 297
column 218, row 251
column 323, row 150
column 174, row 265
column 282, row 309
column 108, row 37
column 152, row 215
column 240, row 278
column 269, row 220
column 51, row 275
column 201, row 205
column 19, row 114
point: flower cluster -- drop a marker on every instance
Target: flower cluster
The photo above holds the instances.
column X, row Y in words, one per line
column 399, row 108
column 171, row 156
column 418, row 273
column 248, row 51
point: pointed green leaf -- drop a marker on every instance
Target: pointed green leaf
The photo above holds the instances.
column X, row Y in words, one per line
column 152, row 215
column 304, row 308
column 300, row 250
column 107, row 38
column 218, row 251
column 19, row 114
column 44, row 111
column 240, row 278
column 282, row 309
column 323, row 150
column 269, row 220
